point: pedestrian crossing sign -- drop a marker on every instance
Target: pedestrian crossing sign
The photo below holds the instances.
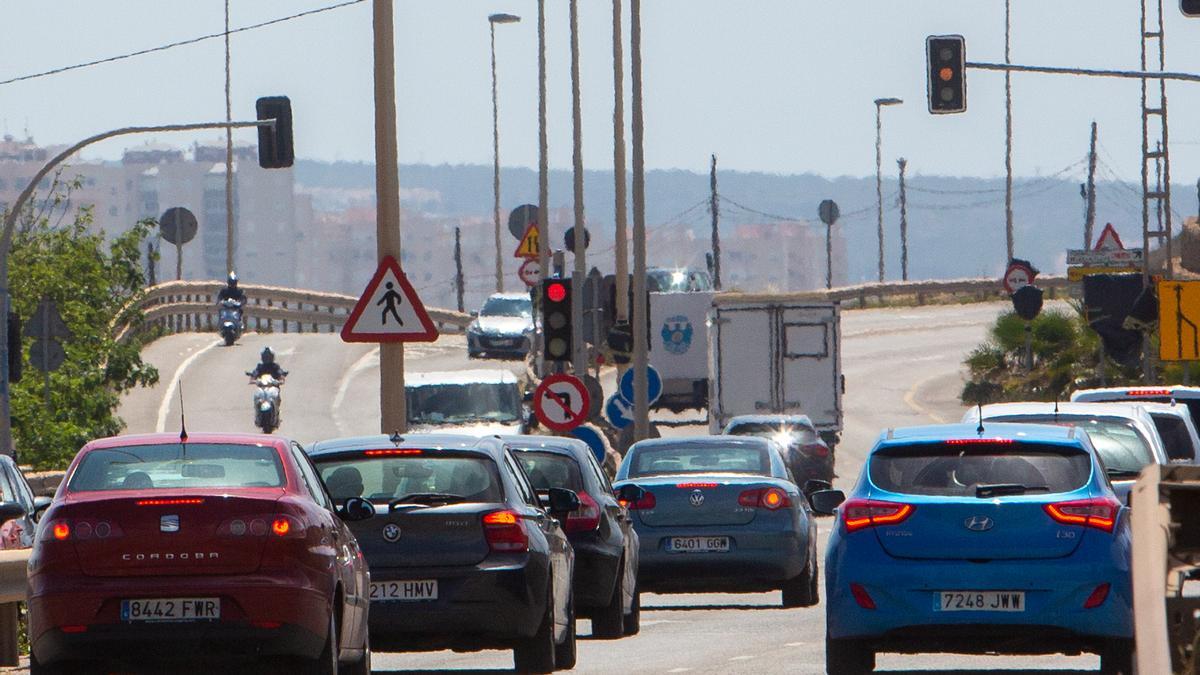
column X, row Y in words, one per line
column 389, row 310
column 528, row 248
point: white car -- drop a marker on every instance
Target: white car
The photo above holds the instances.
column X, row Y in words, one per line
column 474, row 402
column 1189, row 396
column 1177, row 430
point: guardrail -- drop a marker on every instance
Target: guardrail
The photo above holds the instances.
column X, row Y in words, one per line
column 920, row 292
column 183, row 306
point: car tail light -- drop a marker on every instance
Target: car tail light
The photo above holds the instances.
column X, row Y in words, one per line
column 861, row 596
column 764, row 498
column 980, row 441
column 1098, row 512
column 392, row 452
column 78, row 530
column 287, row 527
column 73, row 629
column 648, row 501
column 695, row 486
column 858, row 514
column 255, row 526
column 505, row 532
column 1149, row 392
column 815, row 450
column 1097, row 597
column 586, row 518
column 170, row 502
column 59, row 530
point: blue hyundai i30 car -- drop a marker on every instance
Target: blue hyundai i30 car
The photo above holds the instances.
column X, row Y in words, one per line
column 1007, row 539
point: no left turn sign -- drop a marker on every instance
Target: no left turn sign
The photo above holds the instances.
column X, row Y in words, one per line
column 561, row 402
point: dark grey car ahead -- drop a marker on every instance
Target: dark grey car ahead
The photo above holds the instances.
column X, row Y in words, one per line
column 462, row 555
column 601, row 531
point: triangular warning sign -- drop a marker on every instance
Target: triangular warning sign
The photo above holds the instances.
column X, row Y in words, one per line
column 1109, row 240
column 528, row 248
column 389, row 310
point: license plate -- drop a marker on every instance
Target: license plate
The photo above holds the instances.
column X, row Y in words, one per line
column 979, row 601
column 171, row 609
column 698, row 545
column 404, row 591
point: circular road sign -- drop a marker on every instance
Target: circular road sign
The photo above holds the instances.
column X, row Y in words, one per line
column 530, row 272
column 618, row 411
column 520, row 218
column 654, row 385
column 595, row 440
column 561, row 402
column 828, row 210
column 569, row 238
column 178, row 225
column 1018, row 274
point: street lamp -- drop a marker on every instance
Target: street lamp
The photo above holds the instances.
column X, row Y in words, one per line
column 879, row 103
column 492, row 21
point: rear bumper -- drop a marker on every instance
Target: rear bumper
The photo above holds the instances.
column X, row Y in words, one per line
column 165, row 643
column 486, row 605
column 756, row 560
column 498, row 345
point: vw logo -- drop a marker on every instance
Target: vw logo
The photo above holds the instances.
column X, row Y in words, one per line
column 391, row 532
column 696, row 498
column 978, row 523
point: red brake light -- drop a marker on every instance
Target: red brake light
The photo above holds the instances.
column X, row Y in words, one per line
column 504, row 531
column 861, row 596
column 764, row 498
column 169, row 502
column 393, row 452
column 695, row 486
column 816, row 450
column 286, row 527
column 586, row 518
column 73, row 629
column 1149, row 392
column 61, row 530
column 1098, row 596
column 648, row 501
column 281, row 527
column 858, row 514
column 1099, row 512
column 980, row 441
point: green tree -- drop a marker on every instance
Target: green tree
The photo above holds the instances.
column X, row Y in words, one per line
column 94, row 282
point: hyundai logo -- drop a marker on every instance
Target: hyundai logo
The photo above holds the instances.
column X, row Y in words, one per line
column 978, row 523
column 696, row 498
column 391, row 532
column 168, row 524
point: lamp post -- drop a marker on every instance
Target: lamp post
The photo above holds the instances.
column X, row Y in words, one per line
column 492, row 21
column 879, row 104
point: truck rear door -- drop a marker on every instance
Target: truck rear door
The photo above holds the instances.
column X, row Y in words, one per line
column 742, row 354
column 809, row 358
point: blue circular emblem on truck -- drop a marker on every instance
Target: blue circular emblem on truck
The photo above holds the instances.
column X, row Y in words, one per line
column 677, row 334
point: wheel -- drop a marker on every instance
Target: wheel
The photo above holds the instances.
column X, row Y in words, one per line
column 609, row 622
column 363, row 665
column 1116, row 657
column 633, row 620
column 472, row 355
column 848, row 657
column 814, row 582
column 230, row 338
column 565, row 652
column 536, row 654
column 801, row 590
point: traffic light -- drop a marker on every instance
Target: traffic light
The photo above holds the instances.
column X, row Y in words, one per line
column 556, row 319
column 275, row 149
column 14, row 347
column 1108, row 300
column 947, row 55
column 1190, row 7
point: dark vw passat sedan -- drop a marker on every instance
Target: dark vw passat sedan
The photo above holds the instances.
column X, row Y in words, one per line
column 601, row 531
column 462, row 554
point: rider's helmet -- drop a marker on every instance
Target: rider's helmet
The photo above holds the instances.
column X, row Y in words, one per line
column 232, row 280
column 268, row 356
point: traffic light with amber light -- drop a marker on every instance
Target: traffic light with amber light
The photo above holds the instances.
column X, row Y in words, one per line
column 556, row 319
column 1190, row 7
column 947, row 55
column 275, row 150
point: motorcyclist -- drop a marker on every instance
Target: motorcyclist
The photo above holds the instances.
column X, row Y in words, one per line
column 267, row 366
column 231, row 290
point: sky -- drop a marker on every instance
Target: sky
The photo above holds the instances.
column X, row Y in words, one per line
column 775, row 86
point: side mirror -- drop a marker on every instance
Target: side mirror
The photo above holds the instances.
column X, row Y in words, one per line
column 531, row 420
column 40, row 504
column 630, row 494
column 825, row 502
column 474, row 313
column 563, row 500
column 355, row 509
column 816, row 485
column 10, row 510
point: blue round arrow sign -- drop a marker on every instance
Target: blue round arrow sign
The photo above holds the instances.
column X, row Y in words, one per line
column 618, row 411
column 654, row 385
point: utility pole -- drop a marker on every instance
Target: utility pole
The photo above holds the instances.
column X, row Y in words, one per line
column 543, row 163
column 903, row 163
column 230, row 242
column 621, row 250
column 1008, row 133
column 579, row 350
column 879, row 104
column 392, row 408
column 641, row 399
column 492, row 21
column 458, row 273
column 715, row 207
column 1090, row 219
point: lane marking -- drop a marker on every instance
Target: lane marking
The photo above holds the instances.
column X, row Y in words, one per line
column 797, row 644
column 679, row 670
column 367, row 361
column 165, row 407
column 741, row 658
column 910, row 399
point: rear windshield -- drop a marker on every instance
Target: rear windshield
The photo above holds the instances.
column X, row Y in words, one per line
column 547, row 470
column 783, row 434
column 1121, row 448
column 654, row 461
column 418, row 479
column 178, row 465
column 441, row 404
column 960, row 470
column 1175, row 437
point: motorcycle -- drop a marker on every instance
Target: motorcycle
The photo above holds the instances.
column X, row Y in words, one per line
column 229, row 320
column 266, row 402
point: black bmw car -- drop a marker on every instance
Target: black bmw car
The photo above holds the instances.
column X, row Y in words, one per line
column 600, row 530
column 462, row 553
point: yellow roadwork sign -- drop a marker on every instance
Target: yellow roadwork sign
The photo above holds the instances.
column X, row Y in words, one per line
column 528, row 248
column 1179, row 320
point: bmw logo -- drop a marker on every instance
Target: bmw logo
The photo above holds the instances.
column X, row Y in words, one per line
column 391, row 532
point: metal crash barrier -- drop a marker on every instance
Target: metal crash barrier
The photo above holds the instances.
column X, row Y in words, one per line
column 13, row 581
column 1166, row 553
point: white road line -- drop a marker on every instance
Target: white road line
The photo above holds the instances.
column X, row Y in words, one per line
column 368, row 360
column 796, row 644
column 165, row 407
column 741, row 658
column 679, row 670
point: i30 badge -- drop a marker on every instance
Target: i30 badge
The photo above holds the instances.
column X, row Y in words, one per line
column 978, row 523
column 168, row 524
column 391, row 532
column 696, row 498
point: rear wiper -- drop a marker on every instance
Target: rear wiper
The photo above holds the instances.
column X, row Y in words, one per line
column 1004, row 489
column 426, row 498
column 1122, row 473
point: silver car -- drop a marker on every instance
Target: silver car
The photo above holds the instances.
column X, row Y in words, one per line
column 503, row 327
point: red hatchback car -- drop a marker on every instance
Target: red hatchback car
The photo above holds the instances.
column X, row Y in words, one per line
column 163, row 548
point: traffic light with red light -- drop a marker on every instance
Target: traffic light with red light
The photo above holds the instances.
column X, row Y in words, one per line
column 556, row 319
column 947, row 56
column 1190, row 7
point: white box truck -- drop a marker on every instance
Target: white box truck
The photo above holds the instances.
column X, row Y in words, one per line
column 770, row 355
column 679, row 348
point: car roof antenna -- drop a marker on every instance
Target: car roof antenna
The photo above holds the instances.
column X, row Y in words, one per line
column 183, row 435
column 979, row 430
column 1056, row 408
column 396, row 437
